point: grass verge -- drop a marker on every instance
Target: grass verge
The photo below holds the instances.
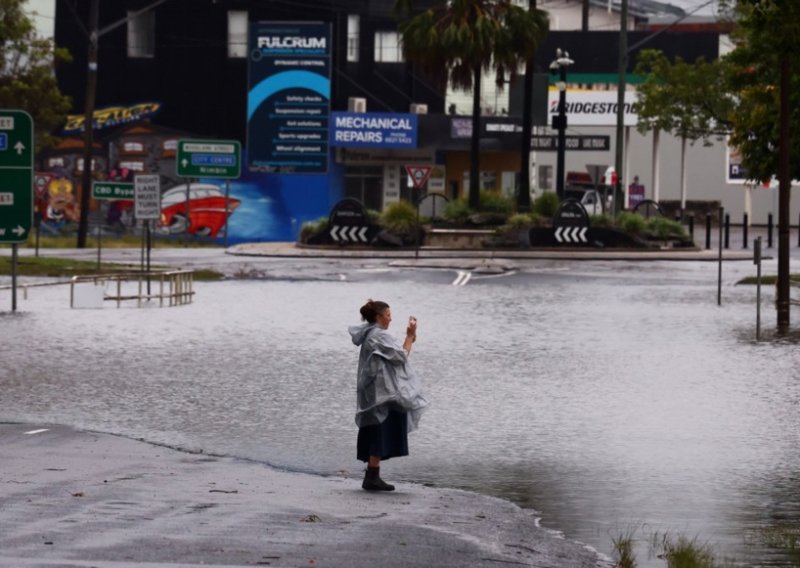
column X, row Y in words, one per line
column 767, row 280
column 65, row 268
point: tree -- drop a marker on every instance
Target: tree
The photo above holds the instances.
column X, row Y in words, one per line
column 27, row 79
column 690, row 101
column 455, row 41
column 756, row 60
column 768, row 42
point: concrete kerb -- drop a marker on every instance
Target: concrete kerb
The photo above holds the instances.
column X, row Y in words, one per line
column 290, row 249
column 76, row 498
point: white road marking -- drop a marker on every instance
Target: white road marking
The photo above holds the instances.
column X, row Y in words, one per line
column 462, row 278
column 38, row 431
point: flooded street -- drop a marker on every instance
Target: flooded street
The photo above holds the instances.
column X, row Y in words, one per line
column 612, row 398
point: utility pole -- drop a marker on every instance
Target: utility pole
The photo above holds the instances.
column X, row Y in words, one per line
column 88, row 131
column 622, row 65
column 91, row 92
column 524, row 197
column 784, row 199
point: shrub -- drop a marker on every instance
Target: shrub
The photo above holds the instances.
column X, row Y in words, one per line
column 663, row 228
column 519, row 221
column 546, row 204
column 632, row 223
column 374, row 216
column 457, row 211
column 600, row 221
column 311, row 228
column 493, row 202
column 399, row 218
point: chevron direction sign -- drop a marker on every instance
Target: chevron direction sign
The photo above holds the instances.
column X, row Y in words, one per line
column 353, row 234
column 349, row 223
column 571, row 223
column 571, row 234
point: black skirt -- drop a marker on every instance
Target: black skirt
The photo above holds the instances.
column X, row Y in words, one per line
column 387, row 440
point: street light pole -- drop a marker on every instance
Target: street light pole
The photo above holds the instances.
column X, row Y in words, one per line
column 622, row 65
column 560, row 64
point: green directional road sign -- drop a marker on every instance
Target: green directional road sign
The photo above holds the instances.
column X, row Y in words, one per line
column 16, row 175
column 112, row 190
column 209, row 158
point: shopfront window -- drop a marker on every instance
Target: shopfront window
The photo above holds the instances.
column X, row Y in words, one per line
column 365, row 183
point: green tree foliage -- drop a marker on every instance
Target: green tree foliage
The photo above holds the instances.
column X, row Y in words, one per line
column 767, row 32
column 455, row 40
column 27, row 79
column 688, row 100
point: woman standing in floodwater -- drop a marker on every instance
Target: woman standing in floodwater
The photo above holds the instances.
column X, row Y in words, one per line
column 389, row 394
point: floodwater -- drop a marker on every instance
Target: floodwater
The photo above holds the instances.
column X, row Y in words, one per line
column 612, row 398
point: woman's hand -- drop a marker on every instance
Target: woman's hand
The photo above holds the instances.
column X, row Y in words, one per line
column 411, row 330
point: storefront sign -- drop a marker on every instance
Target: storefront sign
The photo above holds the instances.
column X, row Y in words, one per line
column 373, row 130
column 112, row 116
column 594, row 108
column 585, row 143
column 288, row 101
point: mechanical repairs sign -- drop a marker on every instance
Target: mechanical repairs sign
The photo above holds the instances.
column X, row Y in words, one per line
column 288, row 99
column 373, row 130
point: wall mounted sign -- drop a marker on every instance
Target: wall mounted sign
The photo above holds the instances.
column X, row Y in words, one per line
column 373, row 130
column 288, row 99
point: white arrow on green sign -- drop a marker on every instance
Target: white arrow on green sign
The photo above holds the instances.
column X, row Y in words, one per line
column 209, row 158
column 112, row 190
column 16, row 175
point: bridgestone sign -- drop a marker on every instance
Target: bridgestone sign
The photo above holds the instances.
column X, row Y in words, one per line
column 595, row 108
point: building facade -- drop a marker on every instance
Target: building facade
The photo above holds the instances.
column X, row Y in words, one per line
column 195, row 60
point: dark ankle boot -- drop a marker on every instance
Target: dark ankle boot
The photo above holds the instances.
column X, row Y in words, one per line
column 373, row 481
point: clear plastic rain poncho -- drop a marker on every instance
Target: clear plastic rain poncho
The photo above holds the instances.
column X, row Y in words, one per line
column 385, row 378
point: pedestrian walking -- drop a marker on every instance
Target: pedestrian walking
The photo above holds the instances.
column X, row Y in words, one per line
column 389, row 397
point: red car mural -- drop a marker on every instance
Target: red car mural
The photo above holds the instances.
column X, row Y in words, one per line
column 206, row 214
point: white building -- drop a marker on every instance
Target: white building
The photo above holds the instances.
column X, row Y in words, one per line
column 706, row 166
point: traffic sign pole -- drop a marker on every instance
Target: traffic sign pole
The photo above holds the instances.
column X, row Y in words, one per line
column 16, row 184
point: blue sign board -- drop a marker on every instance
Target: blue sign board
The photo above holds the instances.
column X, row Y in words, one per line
column 213, row 160
column 288, row 101
column 373, row 130
column 3, row 141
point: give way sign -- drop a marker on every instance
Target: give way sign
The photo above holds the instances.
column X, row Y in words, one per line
column 419, row 174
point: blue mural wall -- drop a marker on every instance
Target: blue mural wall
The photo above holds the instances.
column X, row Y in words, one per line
column 273, row 207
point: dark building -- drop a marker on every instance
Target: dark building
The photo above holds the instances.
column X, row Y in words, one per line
column 190, row 55
column 190, row 59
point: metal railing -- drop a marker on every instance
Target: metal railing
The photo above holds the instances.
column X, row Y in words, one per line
column 173, row 287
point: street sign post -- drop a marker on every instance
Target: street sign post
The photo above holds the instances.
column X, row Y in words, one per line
column 418, row 174
column 147, row 207
column 16, row 176
column 110, row 191
column 209, row 158
column 16, row 184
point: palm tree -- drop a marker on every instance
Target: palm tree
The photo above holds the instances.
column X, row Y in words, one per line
column 456, row 40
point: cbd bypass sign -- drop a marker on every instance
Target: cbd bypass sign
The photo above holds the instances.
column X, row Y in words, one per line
column 209, row 158
column 16, row 175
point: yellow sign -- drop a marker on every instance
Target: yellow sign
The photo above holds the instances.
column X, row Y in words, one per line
column 112, row 116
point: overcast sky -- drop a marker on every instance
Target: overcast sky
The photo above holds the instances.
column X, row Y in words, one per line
column 46, row 15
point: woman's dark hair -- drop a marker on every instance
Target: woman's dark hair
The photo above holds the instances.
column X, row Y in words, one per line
column 372, row 309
